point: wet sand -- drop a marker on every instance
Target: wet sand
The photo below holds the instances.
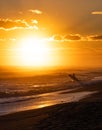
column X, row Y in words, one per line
column 85, row 114
column 71, row 116
column 13, row 105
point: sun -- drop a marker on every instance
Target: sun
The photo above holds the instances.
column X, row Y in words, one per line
column 34, row 52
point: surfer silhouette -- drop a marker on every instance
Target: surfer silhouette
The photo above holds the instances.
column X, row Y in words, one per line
column 73, row 77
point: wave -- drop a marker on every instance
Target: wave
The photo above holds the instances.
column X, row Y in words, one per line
column 17, row 99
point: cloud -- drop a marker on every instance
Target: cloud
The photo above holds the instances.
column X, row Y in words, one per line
column 35, row 11
column 9, row 24
column 68, row 37
column 58, row 37
column 76, row 37
column 96, row 37
column 97, row 12
column 31, row 11
column 34, row 21
column 72, row 37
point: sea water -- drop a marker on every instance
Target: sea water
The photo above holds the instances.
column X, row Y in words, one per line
column 18, row 93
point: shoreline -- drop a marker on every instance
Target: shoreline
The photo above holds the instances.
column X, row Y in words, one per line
column 84, row 114
column 75, row 115
column 41, row 101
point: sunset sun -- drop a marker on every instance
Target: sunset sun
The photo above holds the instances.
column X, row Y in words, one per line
column 34, row 52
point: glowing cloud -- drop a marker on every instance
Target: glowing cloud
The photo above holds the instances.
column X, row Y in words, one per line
column 57, row 37
column 97, row 12
column 34, row 21
column 35, row 11
column 9, row 24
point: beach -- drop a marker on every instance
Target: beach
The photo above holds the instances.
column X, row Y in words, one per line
column 50, row 65
column 72, row 116
column 85, row 114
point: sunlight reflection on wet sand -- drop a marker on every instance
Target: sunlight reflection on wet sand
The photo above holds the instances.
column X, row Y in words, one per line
column 42, row 101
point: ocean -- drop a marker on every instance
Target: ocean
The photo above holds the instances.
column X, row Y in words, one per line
column 20, row 92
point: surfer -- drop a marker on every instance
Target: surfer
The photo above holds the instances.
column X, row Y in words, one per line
column 74, row 78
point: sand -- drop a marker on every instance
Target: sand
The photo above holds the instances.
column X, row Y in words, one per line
column 85, row 114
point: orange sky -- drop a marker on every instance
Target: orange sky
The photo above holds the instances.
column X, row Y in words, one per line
column 71, row 31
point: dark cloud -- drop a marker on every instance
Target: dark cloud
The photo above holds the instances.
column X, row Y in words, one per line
column 96, row 37
column 72, row 37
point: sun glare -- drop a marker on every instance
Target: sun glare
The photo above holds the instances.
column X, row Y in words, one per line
column 34, row 52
